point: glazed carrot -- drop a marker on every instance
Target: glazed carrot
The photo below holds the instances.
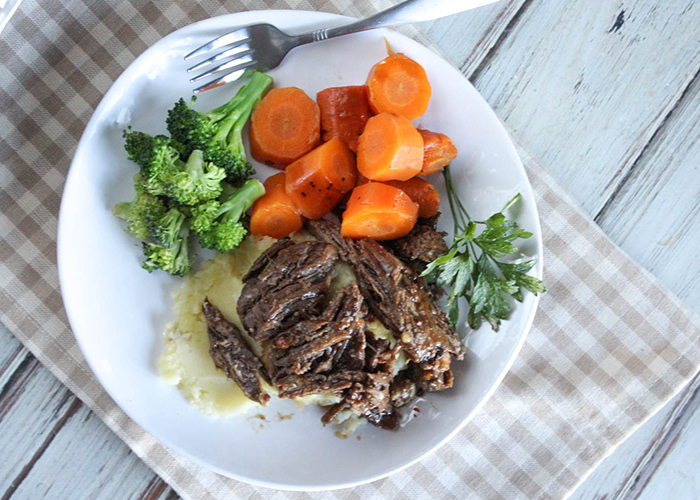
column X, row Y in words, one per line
column 390, row 148
column 421, row 192
column 398, row 84
column 438, row 151
column 274, row 214
column 317, row 181
column 344, row 113
column 285, row 125
column 378, row 211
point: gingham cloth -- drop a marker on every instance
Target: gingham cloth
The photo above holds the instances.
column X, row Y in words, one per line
column 609, row 346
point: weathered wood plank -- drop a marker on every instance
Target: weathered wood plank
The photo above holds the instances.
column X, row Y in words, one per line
column 624, row 473
column 655, row 215
column 34, row 410
column 468, row 38
column 673, row 471
column 87, row 460
column 652, row 216
column 33, row 405
column 585, row 85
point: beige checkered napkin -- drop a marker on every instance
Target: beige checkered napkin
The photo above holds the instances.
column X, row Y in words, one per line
column 609, row 345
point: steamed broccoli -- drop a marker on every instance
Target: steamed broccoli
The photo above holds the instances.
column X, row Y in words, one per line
column 155, row 155
column 218, row 132
column 171, row 252
column 195, row 181
column 138, row 213
column 218, row 225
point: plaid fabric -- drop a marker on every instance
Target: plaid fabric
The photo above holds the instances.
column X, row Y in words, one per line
column 609, row 346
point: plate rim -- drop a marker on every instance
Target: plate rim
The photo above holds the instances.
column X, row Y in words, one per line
column 61, row 250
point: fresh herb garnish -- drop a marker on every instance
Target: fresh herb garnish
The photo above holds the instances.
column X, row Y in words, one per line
column 479, row 275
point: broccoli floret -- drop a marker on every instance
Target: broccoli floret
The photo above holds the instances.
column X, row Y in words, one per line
column 218, row 132
column 219, row 225
column 155, row 155
column 196, row 181
column 140, row 212
column 170, row 253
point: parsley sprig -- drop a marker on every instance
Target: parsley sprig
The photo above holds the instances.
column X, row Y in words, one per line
column 473, row 269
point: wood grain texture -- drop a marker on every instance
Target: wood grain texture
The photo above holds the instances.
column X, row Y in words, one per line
column 468, row 38
column 49, row 438
column 98, row 465
column 672, row 470
column 585, row 93
column 656, row 214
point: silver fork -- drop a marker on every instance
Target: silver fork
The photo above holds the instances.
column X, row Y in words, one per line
column 262, row 46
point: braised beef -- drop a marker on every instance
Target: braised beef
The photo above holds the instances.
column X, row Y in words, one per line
column 231, row 354
column 295, row 386
column 398, row 299
column 334, row 341
column 378, row 352
column 403, row 390
column 370, row 398
column 419, row 247
column 286, row 284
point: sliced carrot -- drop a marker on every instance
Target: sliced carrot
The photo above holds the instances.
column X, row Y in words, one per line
column 398, row 84
column 274, row 214
column 438, row 151
column 285, row 125
column 423, row 193
column 317, row 181
column 390, row 149
column 361, row 179
column 378, row 211
column 344, row 113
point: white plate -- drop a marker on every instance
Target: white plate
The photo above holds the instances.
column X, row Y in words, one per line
column 117, row 310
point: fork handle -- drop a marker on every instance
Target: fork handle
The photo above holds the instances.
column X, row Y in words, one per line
column 410, row 11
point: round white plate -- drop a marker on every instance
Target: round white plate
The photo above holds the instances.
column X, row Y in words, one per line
column 117, row 310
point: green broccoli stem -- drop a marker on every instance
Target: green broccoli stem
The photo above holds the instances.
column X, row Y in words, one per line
column 232, row 116
column 240, row 201
column 171, row 229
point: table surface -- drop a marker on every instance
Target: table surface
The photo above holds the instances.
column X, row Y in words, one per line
column 607, row 95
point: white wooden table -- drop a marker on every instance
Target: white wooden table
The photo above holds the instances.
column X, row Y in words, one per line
column 607, row 95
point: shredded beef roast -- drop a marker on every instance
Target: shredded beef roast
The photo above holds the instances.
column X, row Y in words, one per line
column 286, row 284
column 419, row 247
column 400, row 301
column 231, row 354
column 295, row 386
column 334, row 341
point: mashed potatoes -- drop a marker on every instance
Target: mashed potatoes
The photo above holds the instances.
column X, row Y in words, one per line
column 186, row 361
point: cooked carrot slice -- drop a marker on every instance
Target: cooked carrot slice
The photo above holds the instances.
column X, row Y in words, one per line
column 285, row 125
column 422, row 192
column 390, row 148
column 398, row 84
column 274, row 214
column 378, row 211
column 438, row 151
column 344, row 113
column 317, row 181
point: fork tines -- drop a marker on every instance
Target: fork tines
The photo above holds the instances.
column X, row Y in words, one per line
column 237, row 49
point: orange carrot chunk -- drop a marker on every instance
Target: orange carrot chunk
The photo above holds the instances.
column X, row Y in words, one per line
column 274, row 214
column 344, row 113
column 438, row 151
column 317, row 181
column 285, row 125
column 421, row 192
column 390, row 148
column 378, row 211
column 398, row 84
